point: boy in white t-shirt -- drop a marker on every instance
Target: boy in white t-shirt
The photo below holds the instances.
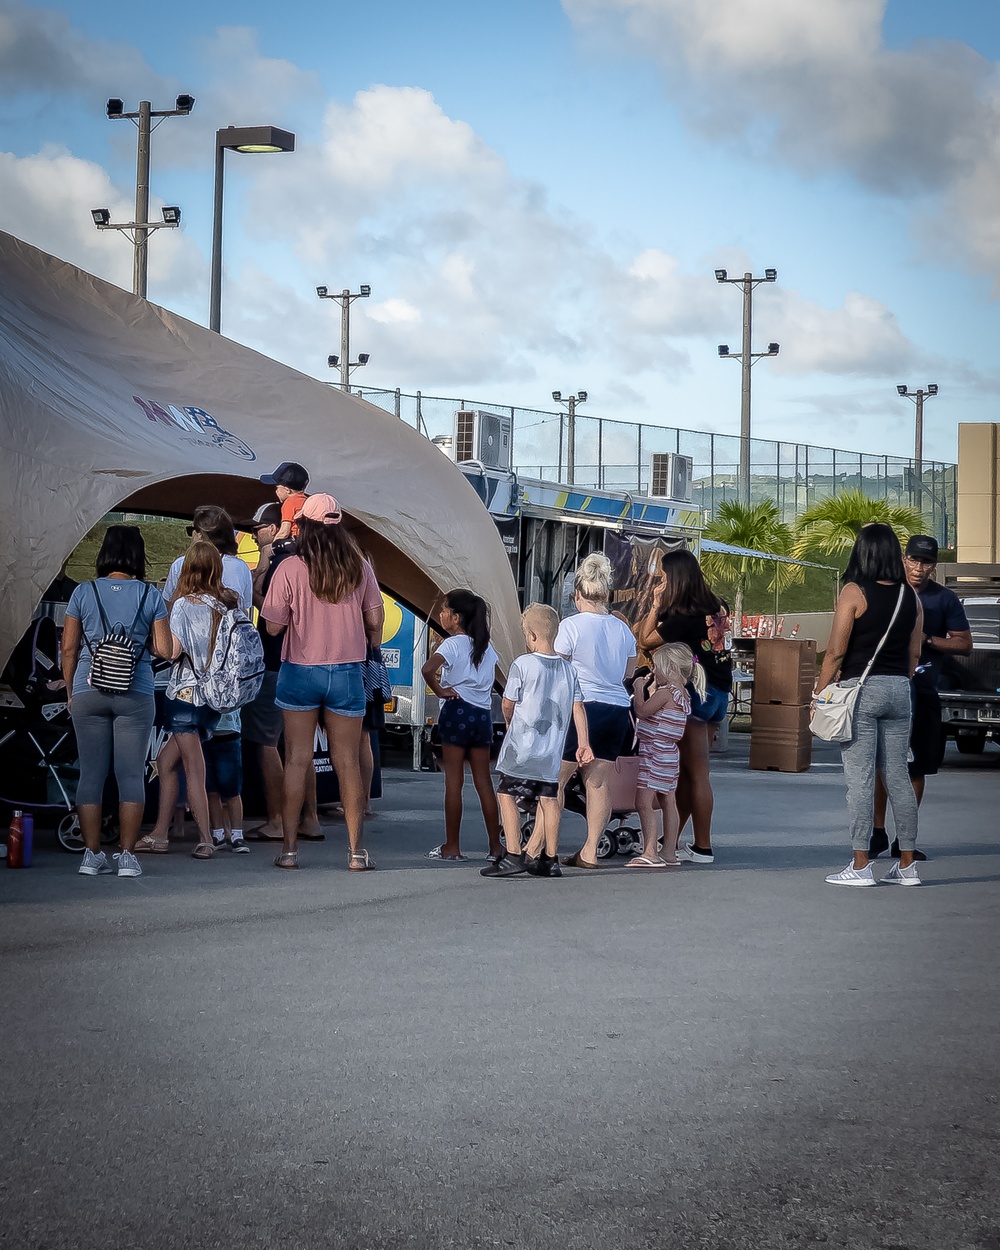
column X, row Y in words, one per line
column 541, row 698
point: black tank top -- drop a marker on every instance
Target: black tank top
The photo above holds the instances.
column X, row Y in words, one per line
column 894, row 658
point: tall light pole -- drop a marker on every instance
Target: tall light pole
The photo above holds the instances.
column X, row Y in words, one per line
column 918, row 396
column 748, row 359
column 571, row 402
column 345, row 299
column 236, row 139
column 140, row 229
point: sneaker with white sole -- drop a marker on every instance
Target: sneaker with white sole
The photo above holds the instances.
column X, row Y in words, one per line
column 691, row 855
column 128, row 865
column 239, row 847
column 902, row 876
column 853, row 876
column 94, row 865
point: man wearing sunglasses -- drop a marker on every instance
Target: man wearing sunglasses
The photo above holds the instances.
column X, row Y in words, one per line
column 946, row 632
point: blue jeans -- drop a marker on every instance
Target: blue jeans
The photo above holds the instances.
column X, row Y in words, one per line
column 881, row 740
column 339, row 688
column 712, row 709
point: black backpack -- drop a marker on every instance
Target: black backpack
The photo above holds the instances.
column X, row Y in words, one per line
column 116, row 654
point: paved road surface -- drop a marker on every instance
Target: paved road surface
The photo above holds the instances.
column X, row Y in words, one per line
column 221, row 1055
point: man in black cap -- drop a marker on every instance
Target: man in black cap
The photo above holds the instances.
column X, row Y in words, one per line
column 289, row 481
column 946, row 632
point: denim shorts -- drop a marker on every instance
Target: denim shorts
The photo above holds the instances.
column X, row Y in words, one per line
column 462, row 725
column 187, row 718
column 712, row 709
column 338, row 688
column 224, row 766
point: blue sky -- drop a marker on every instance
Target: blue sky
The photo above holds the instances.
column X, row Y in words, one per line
column 538, row 194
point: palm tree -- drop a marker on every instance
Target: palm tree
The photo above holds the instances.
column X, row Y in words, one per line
column 756, row 527
column 830, row 526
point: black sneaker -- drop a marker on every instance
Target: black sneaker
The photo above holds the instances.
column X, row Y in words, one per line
column 552, row 868
column 508, row 866
column 535, row 867
column 917, row 855
column 877, row 843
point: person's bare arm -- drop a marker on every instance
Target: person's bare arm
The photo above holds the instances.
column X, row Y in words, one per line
column 430, row 672
column 508, row 706
column 584, row 755
column 646, row 634
column 284, row 531
column 957, row 643
column 374, row 619
column 850, row 605
column 917, row 639
column 274, row 628
column 72, row 636
column 162, row 642
column 660, row 697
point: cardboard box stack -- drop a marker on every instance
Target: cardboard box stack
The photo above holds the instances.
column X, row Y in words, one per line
column 784, row 674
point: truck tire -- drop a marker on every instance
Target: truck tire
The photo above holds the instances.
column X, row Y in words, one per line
column 971, row 744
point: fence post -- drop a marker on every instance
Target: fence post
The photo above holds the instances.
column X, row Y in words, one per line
column 398, row 408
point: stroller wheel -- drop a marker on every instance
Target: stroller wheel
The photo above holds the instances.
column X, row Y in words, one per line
column 628, row 840
column 68, row 833
column 606, row 845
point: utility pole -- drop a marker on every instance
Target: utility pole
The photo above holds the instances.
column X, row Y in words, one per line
column 571, row 402
column 918, row 396
column 345, row 299
column 140, row 229
column 748, row 358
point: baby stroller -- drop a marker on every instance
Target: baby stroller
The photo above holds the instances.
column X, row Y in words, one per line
column 623, row 835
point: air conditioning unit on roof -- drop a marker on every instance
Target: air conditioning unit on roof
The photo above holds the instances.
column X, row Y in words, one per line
column 484, row 436
column 670, row 476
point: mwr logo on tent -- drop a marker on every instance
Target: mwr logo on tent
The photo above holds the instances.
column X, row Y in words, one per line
column 199, row 422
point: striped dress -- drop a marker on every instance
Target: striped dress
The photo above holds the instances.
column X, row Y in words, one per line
column 659, row 758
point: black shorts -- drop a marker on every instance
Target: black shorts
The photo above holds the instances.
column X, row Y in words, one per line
column 609, row 728
column 526, row 791
column 224, row 766
column 262, row 721
column 462, row 725
column 925, row 733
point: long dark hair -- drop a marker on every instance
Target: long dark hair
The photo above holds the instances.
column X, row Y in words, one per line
column 876, row 556
column 474, row 616
column 333, row 559
column 215, row 525
column 123, row 551
column 685, row 591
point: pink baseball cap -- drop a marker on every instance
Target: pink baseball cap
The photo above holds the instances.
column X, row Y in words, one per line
column 322, row 508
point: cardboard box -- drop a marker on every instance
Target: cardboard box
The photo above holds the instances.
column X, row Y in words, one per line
column 784, row 671
column 780, row 738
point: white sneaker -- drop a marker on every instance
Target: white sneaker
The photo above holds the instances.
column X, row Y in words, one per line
column 93, row 865
column 853, row 876
column 902, row 876
column 128, row 865
column 691, row 855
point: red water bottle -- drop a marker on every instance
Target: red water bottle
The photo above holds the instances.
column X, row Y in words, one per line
column 15, row 843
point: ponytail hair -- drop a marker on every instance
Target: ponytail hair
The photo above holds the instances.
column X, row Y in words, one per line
column 474, row 616
column 676, row 659
column 594, row 578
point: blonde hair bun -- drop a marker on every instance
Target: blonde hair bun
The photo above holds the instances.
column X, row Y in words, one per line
column 594, row 578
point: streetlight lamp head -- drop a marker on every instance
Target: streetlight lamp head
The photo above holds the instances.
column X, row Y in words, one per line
column 333, row 361
column 116, row 108
column 364, row 291
column 901, row 390
column 723, row 349
column 255, row 139
column 557, row 396
column 184, row 104
column 721, row 275
column 582, row 397
column 932, row 388
column 770, row 275
column 171, row 215
column 363, row 358
column 321, row 291
column 101, row 216
column 772, row 349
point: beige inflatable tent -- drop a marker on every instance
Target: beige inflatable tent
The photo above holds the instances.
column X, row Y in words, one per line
column 109, row 402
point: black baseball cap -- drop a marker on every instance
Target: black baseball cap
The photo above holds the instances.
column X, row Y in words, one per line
column 922, row 547
column 289, row 474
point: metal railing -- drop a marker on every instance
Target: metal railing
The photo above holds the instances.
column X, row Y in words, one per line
column 615, row 455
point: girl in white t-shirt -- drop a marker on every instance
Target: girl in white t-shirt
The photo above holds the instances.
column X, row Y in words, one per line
column 462, row 672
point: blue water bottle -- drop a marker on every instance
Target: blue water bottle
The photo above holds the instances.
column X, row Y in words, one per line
column 27, row 833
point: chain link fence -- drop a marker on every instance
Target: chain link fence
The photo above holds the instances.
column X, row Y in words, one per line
column 615, row 455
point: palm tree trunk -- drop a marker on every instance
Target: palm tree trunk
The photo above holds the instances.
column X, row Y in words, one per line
column 738, row 613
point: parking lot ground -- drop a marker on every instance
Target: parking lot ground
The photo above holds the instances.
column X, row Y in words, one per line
column 738, row 1056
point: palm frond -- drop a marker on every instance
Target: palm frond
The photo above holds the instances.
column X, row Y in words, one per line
column 830, row 526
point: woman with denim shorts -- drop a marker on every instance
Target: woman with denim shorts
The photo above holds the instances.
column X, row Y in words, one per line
column 327, row 602
column 687, row 610
column 876, row 603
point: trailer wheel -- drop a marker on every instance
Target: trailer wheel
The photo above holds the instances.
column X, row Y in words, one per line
column 607, row 844
column 971, row 744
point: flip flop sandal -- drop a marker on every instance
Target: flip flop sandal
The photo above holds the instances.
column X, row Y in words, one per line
column 359, row 861
column 148, row 845
column 574, row 861
column 204, row 850
column 644, row 861
column 435, row 853
column 287, row 859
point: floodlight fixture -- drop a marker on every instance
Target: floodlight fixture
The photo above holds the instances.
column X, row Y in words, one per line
column 721, row 275
column 723, row 349
column 772, row 349
column 770, row 275
column 171, row 215
column 582, row 397
column 363, row 358
column 116, row 108
column 333, row 361
column 184, row 104
column 901, row 391
column 322, row 292
column 364, row 292
column 255, row 139
column 557, row 396
column 932, row 388
column 101, row 216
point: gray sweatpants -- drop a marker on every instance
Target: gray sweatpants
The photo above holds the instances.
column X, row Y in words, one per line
column 881, row 740
column 106, row 722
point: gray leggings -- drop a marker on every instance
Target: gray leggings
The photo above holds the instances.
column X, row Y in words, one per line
column 112, row 721
column 881, row 739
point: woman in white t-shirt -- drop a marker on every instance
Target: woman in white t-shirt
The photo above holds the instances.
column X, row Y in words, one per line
column 601, row 648
column 462, row 672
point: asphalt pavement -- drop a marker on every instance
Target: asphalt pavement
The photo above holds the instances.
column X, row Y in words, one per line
column 737, row 1056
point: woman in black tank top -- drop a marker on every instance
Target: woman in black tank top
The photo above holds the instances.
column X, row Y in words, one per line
column 876, row 635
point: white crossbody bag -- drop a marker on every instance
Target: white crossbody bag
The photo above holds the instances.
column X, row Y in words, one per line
column 833, row 715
